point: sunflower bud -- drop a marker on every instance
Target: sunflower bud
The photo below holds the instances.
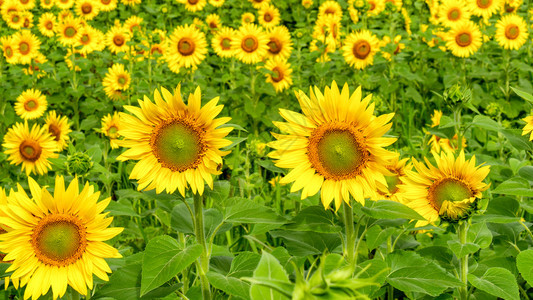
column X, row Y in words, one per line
column 79, row 164
column 457, row 96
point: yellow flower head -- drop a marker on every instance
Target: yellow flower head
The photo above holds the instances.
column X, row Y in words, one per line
column 359, row 49
column 31, row 104
column 511, row 32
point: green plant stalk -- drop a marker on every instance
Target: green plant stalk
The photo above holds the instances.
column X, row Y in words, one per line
column 349, row 247
column 185, row 273
column 74, row 84
column 457, row 120
column 462, row 231
column 203, row 260
column 390, row 288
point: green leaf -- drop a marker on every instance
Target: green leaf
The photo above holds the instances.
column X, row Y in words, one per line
column 163, row 259
column 486, row 123
column 314, row 218
column 480, row 235
column 241, row 210
column 303, row 243
column 124, row 283
column 515, row 186
column 517, row 140
column 375, row 236
column 181, row 220
column 523, row 94
column 386, row 209
column 431, row 280
column 244, row 264
column 496, row 281
column 120, row 209
column 230, row 285
column 524, row 263
column 461, row 250
column 269, row 271
column 234, row 142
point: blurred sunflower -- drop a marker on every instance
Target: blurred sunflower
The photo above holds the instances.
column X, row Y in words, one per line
column 448, row 191
column 47, row 24
column 213, row 21
column 26, row 4
column 329, row 25
column 187, row 48
column 335, row 146
column 26, row 46
column 511, row 6
column 14, row 19
column 375, row 7
column 221, row 42
column 57, row 241
column 193, row 5
column 307, row 3
column 528, row 128
column 131, row 2
column 133, row 23
column 176, row 144
column 31, row 104
column 216, row 3
column 269, row 16
column 281, row 73
column 511, row 32
column 463, row 39
column 8, row 47
column 31, row 148
column 91, row 39
column 64, row 4
column 390, row 191
column 359, row 49
column 110, row 128
column 438, row 143
column 330, row 8
column 452, row 12
column 116, row 79
column 117, row 38
column 247, row 18
column 108, row 5
column 34, row 66
column 87, row 9
column 27, row 20
column 59, row 129
column 47, row 4
column 399, row 46
column 69, row 31
column 257, row 4
column 250, row 44
column 279, row 42
column 484, row 8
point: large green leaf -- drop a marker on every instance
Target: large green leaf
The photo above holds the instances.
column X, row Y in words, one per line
column 244, row 264
column 515, row 186
column 303, row 243
column 387, row 209
column 268, row 276
column 163, row 259
column 242, row 210
column 231, row 285
column 524, row 263
column 314, row 218
column 497, row 281
column 480, row 235
column 460, row 250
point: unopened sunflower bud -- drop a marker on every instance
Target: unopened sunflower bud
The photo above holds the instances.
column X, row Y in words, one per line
column 79, row 164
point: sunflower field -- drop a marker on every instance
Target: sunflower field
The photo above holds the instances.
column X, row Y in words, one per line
column 261, row 149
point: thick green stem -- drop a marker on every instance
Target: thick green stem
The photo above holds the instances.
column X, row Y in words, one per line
column 203, row 260
column 349, row 247
column 462, row 231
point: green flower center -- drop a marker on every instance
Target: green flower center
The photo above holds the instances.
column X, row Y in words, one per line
column 249, row 44
column 484, row 3
column 9, row 52
column 24, row 48
column 186, row 46
column 463, row 39
column 15, row 19
column 274, row 46
column 49, row 25
column 112, row 130
column 225, row 44
column 449, row 189
column 85, row 39
column 454, row 14
column 122, row 80
column 512, row 31
column 70, row 32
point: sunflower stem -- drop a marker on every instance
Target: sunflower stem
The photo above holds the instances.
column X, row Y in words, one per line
column 75, row 89
column 349, row 251
column 462, row 231
column 203, row 260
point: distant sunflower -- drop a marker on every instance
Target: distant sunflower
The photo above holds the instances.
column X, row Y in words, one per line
column 528, row 128
column 57, row 241
column 217, row 3
column 247, row 18
column 31, row 104
column 391, row 190
column 69, row 31
column 176, row 144
column 31, row 148
column 448, row 191
column 108, row 5
column 464, row 39
column 34, row 66
column 91, row 39
column 27, row 20
column 359, row 49
column 133, row 23
column 117, row 38
column 511, row 6
column 14, row 19
column 221, row 42
column 131, row 2
column 117, row 78
column 375, row 7
column 64, row 4
column 307, row 3
column 279, row 42
column 250, row 44
column 59, row 129
column 8, row 47
column 511, row 32
column 281, row 73
column 269, row 16
column 47, row 4
column 47, row 24
column 187, row 48
column 257, row 4
column 452, row 12
column 110, row 128
column 335, row 146
column 87, row 9
column 330, row 8
column 194, row 5
column 26, row 46
column 213, row 21
column 484, row 8
column 26, row 4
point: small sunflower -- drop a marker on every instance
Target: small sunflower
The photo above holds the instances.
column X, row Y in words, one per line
column 464, row 39
column 217, row 3
column 257, row 4
column 391, row 191
column 47, row 24
column 193, row 5
column 31, row 148
column 511, row 32
column 47, row 4
column 375, row 7
column 8, row 47
column 108, row 5
column 116, row 79
column 87, row 9
column 26, row 46
column 131, row 2
column 91, row 39
column 187, row 48
column 59, row 129
column 31, row 104
column 269, row 16
column 14, row 19
column 247, row 18
column 511, row 6
column 69, row 31
column 110, row 128
column 327, row 26
column 279, row 42
column 335, row 146
column 528, row 128
column 57, row 241
column 307, row 3
column 117, row 38
column 330, row 8
column 221, row 42
column 448, row 191
column 250, row 44
column 213, row 21
column 26, row 4
column 176, row 144
column 280, row 78
column 64, row 4
column 453, row 11
column 34, row 66
column 399, row 46
column 27, row 20
column 133, row 23
column 359, row 49
column 484, row 8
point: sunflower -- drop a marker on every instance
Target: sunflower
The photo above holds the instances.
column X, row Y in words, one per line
column 399, row 46
column 279, row 42
column 216, row 3
column 47, row 24
column 464, row 39
column 269, row 16
column 336, row 145
column 69, row 57
column 91, row 39
column 213, row 21
column 397, row 3
column 108, row 5
column 87, row 9
column 59, row 129
column 131, row 2
column 453, row 11
column 31, row 148
column 8, row 7
column 330, row 8
column 484, row 8
column 26, row 46
column 375, row 7
column 511, row 6
column 528, row 128
column 15, row 20
column 257, row 4
column 187, row 48
column 31, row 104
column 26, row 4
column 329, row 45
column 250, row 44
column 133, row 23
column 110, row 128
column 511, row 32
column 64, row 4
column 27, row 20
column 56, row 241
column 307, row 3
column 8, row 47
column 391, row 190
column 329, row 25
column 69, row 31
column 116, row 79
column 247, row 18
column 439, row 144
column 280, row 78
column 117, row 38
column 359, row 49
column 47, row 4
column 448, row 191
column 176, row 144
column 34, row 66
column 193, row 5
column 221, row 42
